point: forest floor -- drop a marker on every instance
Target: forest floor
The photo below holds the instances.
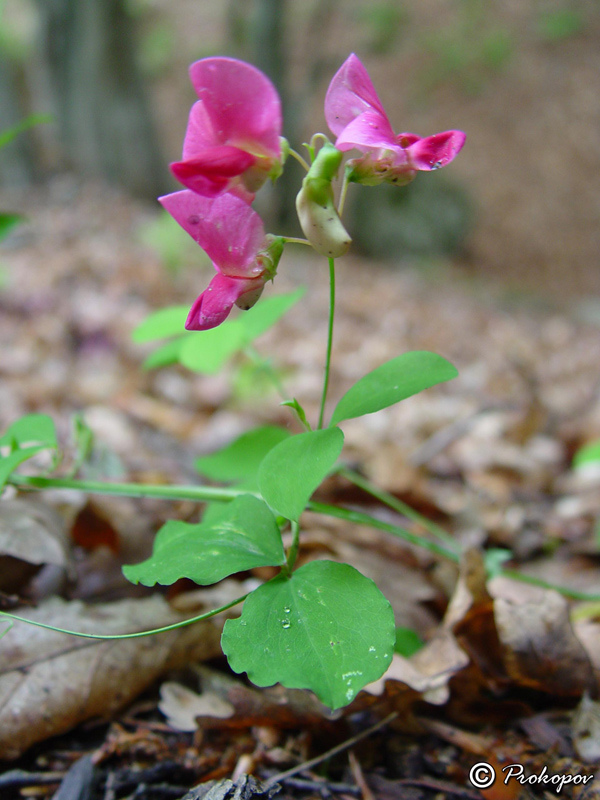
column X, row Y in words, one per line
column 509, row 670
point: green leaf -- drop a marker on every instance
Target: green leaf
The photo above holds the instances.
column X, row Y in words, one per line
column 295, row 405
column 408, row 642
column 32, row 428
column 9, row 221
column 165, row 355
column 25, row 437
column 292, row 470
column 166, row 322
column 266, row 312
column 246, row 536
column 325, row 628
column 393, row 381
column 208, row 351
column 588, row 454
column 7, row 135
column 240, row 460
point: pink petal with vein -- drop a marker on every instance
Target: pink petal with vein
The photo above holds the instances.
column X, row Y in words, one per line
column 436, row 151
column 369, row 130
column 238, row 105
column 210, row 172
column 350, row 93
column 216, row 301
column 226, row 228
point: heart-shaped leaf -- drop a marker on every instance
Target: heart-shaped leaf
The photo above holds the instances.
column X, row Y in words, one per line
column 292, row 470
column 325, row 628
column 393, row 381
column 246, row 535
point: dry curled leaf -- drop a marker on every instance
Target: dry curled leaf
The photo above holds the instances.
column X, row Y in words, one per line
column 50, row 682
column 181, row 706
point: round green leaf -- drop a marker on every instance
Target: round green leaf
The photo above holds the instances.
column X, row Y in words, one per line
column 246, row 535
column 325, row 628
column 292, row 470
column 393, row 381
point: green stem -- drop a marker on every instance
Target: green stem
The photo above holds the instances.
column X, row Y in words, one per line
column 397, row 505
column 199, row 494
column 299, row 159
column 359, row 518
column 343, row 193
column 137, row 635
column 295, row 240
column 293, row 551
column 203, row 494
column 329, row 340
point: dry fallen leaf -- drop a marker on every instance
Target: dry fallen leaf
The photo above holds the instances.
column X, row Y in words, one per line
column 31, row 534
column 49, row 682
column 181, row 706
column 540, row 648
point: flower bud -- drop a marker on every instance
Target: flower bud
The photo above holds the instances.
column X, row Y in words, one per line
column 316, row 209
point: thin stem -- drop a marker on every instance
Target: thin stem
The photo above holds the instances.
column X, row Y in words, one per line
column 343, row 193
column 360, row 518
column 334, row 751
column 396, row 504
column 564, row 590
column 137, row 635
column 294, row 240
column 299, row 159
column 293, row 551
column 329, row 340
column 200, row 494
column 267, row 369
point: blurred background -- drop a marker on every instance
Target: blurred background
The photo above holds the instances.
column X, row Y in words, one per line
column 521, row 204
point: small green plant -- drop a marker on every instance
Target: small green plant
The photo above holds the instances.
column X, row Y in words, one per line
column 322, row 625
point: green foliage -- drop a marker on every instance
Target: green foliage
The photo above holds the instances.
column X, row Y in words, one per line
column 161, row 324
column 244, row 536
column 240, row 460
column 564, row 23
column 293, row 469
column 208, row 351
column 8, row 221
column 408, row 642
column 7, row 136
column 587, row 455
column 170, row 243
column 325, row 628
column 383, row 23
column 393, row 381
column 23, row 439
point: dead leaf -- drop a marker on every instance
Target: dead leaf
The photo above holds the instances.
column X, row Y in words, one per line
column 586, row 730
column 181, row 706
column 540, row 648
column 50, row 682
column 31, row 533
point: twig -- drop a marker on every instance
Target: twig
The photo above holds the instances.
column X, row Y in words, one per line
column 334, row 751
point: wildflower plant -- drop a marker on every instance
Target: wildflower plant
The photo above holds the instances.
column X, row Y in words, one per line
column 323, row 626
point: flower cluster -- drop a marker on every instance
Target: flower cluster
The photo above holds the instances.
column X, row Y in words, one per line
column 233, row 145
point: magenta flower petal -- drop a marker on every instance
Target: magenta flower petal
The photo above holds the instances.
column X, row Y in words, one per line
column 209, row 173
column 216, row 301
column 226, row 228
column 368, row 131
column 436, row 151
column 239, row 106
column 350, row 93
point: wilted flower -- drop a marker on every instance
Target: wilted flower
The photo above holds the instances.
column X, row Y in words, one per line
column 233, row 236
column 232, row 139
column 355, row 115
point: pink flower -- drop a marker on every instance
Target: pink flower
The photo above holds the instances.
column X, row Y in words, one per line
column 233, row 236
column 233, row 134
column 355, row 114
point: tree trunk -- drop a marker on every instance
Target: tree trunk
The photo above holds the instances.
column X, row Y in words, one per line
column 102, row 113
